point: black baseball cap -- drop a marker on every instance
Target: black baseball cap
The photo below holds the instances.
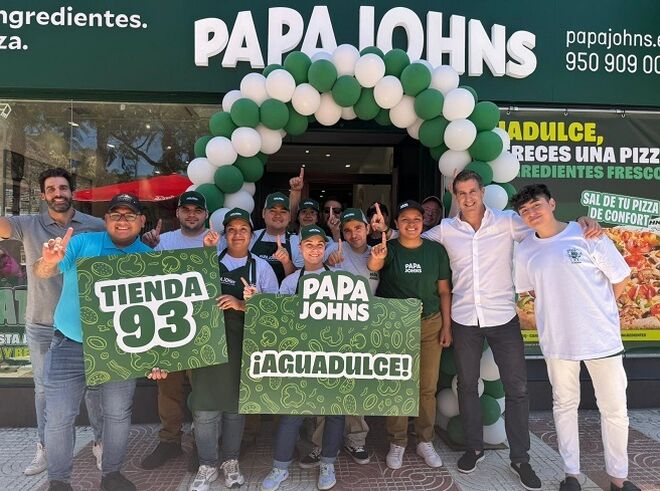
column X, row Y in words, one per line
column 127, row 200
column 311, row 231
column 309, row 203
column 237, row 214
column 274, row 199
column 409, row 205
column 192, row 198
column 353, row 214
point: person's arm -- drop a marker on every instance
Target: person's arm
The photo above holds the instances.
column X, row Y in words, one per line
column 5, row 228
column 619, row 287
column 378, row 255
column 611, row 263
column 52, row 254
column 444, row 290
column 296, row 185
column 590, row 227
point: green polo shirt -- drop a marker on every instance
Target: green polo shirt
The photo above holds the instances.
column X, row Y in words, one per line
column 414, row 273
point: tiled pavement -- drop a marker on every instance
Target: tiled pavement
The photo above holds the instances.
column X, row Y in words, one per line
column 17, row 446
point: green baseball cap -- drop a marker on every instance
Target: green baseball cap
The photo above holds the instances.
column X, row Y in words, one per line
column 237, row 214
column 275, row 199
column 310, row 203
column 192, row 198
column 309, row 231
column 353, row 214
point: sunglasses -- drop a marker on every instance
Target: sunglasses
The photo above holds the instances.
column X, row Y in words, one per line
column 334, row 210
column 129, row 217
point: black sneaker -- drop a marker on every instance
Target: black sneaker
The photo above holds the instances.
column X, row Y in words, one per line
column 161, row 454
column 570, row 484
column 358, row 453
column 468, row 462
column 193, row 460
column 59, row 486
column 527, row 476
column 627, row 486
column 116, row 482
column 312, row 459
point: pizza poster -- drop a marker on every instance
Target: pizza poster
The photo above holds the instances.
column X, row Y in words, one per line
column 155, row 309
column 333, row 348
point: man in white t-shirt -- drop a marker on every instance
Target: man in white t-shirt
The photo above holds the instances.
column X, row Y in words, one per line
column 575, row 283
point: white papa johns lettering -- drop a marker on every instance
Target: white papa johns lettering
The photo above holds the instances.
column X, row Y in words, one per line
column 413, row 268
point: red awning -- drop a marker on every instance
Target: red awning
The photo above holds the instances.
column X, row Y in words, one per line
column 159, row 188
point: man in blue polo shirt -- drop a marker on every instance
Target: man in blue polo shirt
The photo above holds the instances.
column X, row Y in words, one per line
column 64, row 366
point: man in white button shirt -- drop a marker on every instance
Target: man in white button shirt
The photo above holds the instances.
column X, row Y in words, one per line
column 479, row 242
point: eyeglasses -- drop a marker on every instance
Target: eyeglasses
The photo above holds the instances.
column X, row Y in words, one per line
column 334, row 210
column 129, row 217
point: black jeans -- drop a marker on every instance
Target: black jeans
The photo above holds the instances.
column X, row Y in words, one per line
column 508, row 350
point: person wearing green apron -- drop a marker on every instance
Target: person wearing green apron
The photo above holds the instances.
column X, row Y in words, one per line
column 312, row 248
column 413, row 267
column 214, row 397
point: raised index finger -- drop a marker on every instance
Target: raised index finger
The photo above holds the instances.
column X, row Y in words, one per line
column 384, row 239
column 67, row 237
column 339, row 246
column 158, row 226
column 278, row 241
column 302, row 173
column 378, row 210
column 245, row 283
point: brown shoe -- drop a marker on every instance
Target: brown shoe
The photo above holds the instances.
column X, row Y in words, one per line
column 161, row 454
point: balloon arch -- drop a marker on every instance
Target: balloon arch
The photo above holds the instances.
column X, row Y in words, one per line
column 459, row 131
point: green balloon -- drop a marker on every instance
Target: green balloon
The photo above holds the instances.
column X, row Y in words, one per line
column 245, row 112
column 228, row 179
column 509, row 188
column 471, row 91
column 490, row 410
column 486, row 146
column 444, row 381
column 366, row 108
column 383, row 118
column 262, row 157
column 447, row 362
column 200, row 145
column 221, row 124
column 322, row 75
column 494, row 388
column 372, row 49
column 297, row 63
column 485, row 116
column 214, row 197
column 455, row 430
column 274, row 114
column 432, row 132
column 415, row 78
column 395, row 61
column 252, row 168
column 436, row 152
column 270, row 68
column 446, row 201
column 428, row 104
column 297, row 124
column 346, row 91
column 483, row 169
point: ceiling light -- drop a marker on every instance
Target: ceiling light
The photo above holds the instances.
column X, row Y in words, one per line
column 110, row 145
column 327, row 155
column 347, row 165
column 169, row 147
column 306, row 151
column 74, row 124
column 147, row 126
column 323, row 190
column 302, row 165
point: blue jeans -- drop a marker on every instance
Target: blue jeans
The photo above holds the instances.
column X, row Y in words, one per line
column 38, row 340
column 64, row 378
column 206, row 435
column 287, row 436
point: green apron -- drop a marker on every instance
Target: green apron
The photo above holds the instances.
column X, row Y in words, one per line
column 265, row 250
column 216, row 388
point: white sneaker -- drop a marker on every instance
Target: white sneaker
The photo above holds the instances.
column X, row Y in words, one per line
column 205, row 476
column 97, row 451
column 394, row 457
column 426, row 450
column 38, row 464
column 232, row 472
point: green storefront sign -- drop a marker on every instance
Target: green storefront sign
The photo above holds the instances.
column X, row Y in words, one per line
column 332, row 349
column 510, row 51
column 141, row 311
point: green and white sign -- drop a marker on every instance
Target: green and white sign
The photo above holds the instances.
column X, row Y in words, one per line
column 331, row 349
column 619, row 209
column 156, row 309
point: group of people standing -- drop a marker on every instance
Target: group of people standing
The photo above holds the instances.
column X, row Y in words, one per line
column 461, row 268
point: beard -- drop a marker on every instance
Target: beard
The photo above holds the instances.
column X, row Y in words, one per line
column 192, row 229
column 59, row 207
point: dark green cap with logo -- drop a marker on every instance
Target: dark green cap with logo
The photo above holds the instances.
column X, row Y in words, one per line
column 275, row 199
column 353, row 214
column 192, row 198
column 310, row 203
column 309, row 231
column 237, row 214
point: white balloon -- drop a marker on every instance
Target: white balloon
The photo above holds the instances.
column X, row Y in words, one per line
column 344, row 58
column 271, row 141
column 216, row 218
column 280, row 85
column 460, row 134
column 459, row 104
column 321, row 55
column 488, row 367
column 447, row 403
column 413, row 129
column 253, row 86
column 306, row 99
column 201, row 171
column 348, row 114
column 453, row 161
column 403, row 114
column 220, row 151
column 441, row 420
column 192, row 187
column 369, row 69
column 240, row 199
column 505, row 167
column 444, row 78
column 496, row 433
column 495, row 197
column 250, row 187
column 282, row 132
column 388, row 92
column 501, row 401
column 506, row 141
column 329, row 112
column 246, row 141
column 229, row 99
column 454, row 386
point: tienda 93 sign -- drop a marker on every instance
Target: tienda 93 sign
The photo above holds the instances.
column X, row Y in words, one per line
column 331, row 349
column 157, row 309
